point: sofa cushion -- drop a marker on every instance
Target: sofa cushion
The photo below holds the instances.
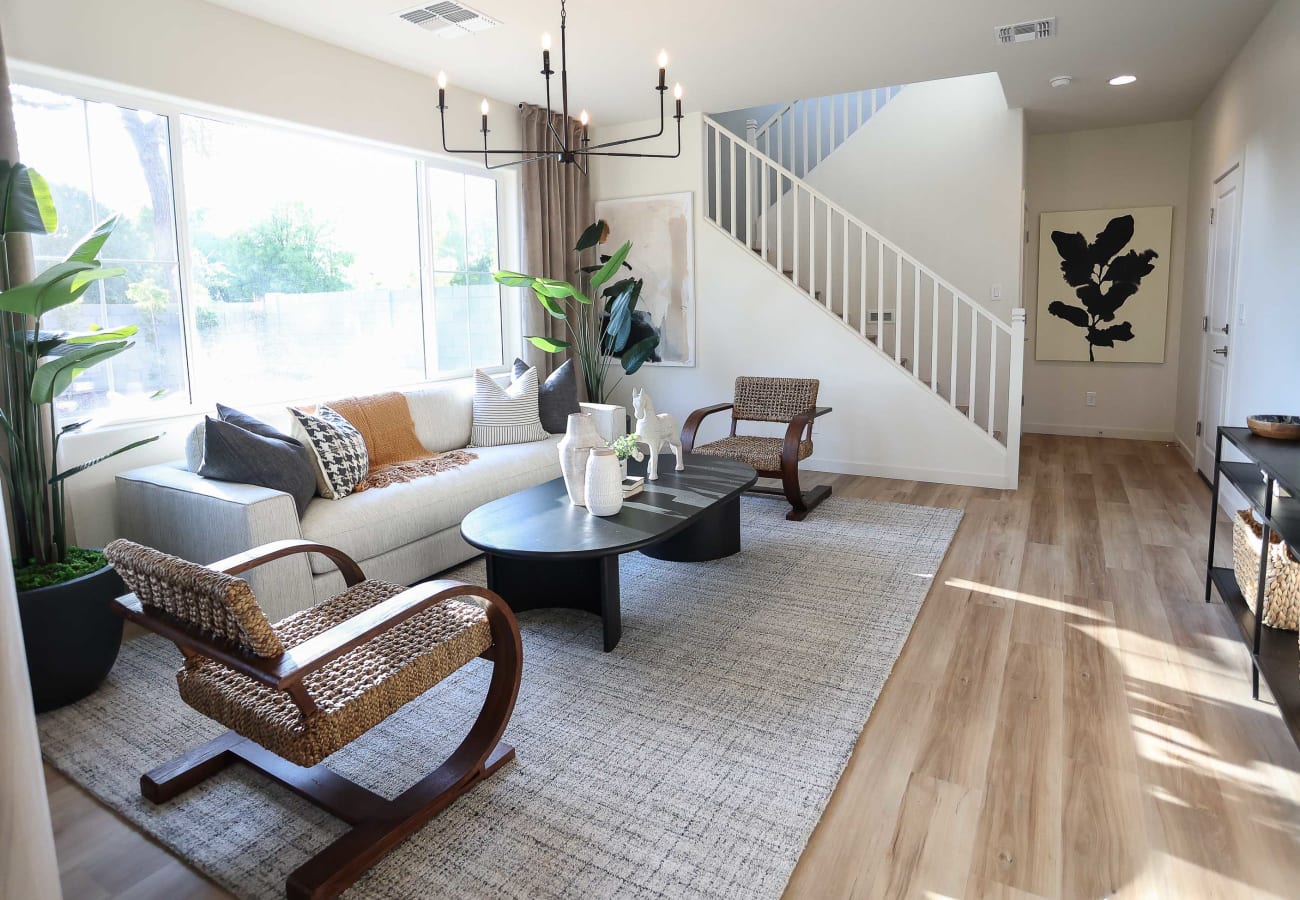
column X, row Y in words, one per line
column 259, row 455
column 374, row 522
column 557, row 397
column 443, row 414
column 506, row 414
column 338, row 451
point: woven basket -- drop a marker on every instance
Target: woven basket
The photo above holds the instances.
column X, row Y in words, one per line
column 1282, row 577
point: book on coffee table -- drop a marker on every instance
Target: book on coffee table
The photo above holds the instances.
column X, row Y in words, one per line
column 632, row 485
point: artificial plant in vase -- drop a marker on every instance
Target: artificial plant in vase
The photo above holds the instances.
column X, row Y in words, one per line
column 600, row 325
column 39, row 366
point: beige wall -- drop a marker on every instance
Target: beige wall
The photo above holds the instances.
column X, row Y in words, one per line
column 197, row 51
column 1252, row 116
column 1145, row 165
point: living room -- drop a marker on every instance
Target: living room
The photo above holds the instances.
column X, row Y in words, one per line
column 832, row 551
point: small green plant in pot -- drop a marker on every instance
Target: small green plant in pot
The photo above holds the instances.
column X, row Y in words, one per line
column 70, row 633
column 601, row 327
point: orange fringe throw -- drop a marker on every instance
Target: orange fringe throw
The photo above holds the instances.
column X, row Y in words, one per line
column 412, row 469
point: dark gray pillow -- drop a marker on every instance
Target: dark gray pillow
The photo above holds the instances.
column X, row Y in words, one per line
column 557, row 398
column 258, row 454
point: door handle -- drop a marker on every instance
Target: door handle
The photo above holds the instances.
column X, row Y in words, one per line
column 1222, row 351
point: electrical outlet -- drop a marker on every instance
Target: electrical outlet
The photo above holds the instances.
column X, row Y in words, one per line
column 1090, row 398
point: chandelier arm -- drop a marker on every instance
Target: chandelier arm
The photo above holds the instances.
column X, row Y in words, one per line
column 632, row 140
column 447, row 149
column 597, row 151
column 517, row 162
column 550, row 119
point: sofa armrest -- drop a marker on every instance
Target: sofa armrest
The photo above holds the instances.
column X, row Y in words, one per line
column 202, row 520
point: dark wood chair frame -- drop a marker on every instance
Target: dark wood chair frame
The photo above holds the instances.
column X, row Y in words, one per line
column 799, row 429
column 378, row 825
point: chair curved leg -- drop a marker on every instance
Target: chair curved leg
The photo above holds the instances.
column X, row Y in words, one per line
column 481, row 753
column 801, row 502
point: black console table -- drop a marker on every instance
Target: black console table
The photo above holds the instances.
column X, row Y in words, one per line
column 1274, row 652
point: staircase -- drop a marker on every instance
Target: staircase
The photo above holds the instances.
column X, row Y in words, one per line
column 946, row 343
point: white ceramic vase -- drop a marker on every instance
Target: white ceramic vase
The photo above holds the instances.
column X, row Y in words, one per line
column 604, row 483
column 580, row 438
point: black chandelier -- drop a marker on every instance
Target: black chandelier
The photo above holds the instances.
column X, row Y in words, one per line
column 562, row 148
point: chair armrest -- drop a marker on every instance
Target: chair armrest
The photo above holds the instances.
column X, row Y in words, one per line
column 693, row 423
column 794, row 435
column 346, row 636
column 821, row 411
column 259, row 556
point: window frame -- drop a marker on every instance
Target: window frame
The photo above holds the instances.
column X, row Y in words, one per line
column 174, row 110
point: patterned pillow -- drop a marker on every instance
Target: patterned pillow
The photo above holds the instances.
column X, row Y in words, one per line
column 505, row 415
column 338, row 452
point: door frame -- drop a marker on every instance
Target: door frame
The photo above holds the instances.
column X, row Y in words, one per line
column 1234, row 164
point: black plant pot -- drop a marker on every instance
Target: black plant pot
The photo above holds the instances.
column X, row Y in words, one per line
column 71, row 635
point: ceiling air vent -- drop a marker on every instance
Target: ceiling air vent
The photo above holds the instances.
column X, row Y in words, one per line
column 448, row 20
column 1026, row 31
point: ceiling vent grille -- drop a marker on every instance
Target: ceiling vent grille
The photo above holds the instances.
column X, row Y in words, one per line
column 448, row 20
column 1026, row 31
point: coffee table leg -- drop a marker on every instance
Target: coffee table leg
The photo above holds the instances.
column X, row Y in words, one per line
column 589, row 584
column 714, row 536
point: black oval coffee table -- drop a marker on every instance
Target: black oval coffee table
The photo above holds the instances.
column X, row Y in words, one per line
column 544, row 552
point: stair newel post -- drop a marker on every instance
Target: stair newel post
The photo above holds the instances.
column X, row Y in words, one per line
column 1015, row 393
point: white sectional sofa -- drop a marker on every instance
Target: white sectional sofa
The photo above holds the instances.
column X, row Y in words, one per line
column 402, row 533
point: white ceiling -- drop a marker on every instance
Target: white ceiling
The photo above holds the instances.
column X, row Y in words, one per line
column 730, row 54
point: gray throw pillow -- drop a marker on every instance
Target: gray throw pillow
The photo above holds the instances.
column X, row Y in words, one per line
column 558, row 397
column 258, row 454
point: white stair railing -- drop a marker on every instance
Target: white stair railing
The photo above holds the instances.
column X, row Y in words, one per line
column 956, row 348
column 803, row 133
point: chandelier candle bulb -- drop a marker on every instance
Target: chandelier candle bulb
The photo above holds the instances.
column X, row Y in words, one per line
column 663, row 69
column 677, row 95
column 483, row 108
column 546, row 53
column 442, row 90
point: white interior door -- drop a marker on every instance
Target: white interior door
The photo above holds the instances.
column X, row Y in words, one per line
column 1222, row 281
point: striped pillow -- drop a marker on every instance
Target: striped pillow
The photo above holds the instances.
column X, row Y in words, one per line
column 506, row 415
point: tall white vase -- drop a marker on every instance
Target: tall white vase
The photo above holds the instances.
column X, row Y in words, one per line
column 604, row 483
column 580, row 438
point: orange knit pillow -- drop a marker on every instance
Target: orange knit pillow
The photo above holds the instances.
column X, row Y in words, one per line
column 384, row 421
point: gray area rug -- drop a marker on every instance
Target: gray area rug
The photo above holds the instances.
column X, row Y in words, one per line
column 693, row 761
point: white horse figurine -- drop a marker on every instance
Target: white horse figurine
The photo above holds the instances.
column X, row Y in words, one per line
column 655, row 430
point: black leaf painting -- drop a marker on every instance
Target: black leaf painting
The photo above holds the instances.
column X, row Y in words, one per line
column 1103, row 278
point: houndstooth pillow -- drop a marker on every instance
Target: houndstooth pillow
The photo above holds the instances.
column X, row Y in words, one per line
column 338, row 451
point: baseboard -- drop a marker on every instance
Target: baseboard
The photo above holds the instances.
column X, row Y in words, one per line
column 1188, row 453
column 907, row 473
column 1126, row 434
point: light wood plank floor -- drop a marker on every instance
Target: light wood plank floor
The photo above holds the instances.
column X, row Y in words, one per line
column 1068, row 719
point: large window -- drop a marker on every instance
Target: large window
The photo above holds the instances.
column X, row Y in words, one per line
column 314, row 266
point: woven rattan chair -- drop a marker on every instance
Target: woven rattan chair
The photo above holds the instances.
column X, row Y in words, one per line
column 792, row 401
column 295, row 692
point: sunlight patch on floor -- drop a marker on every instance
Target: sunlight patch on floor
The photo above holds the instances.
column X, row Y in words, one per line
column 1061, row 606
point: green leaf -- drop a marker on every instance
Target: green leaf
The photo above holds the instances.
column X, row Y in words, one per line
column 636, row 355
column 608, row 269
column 99, row 335
column 552, row 288
column 27, row 204
column 547, row 344
column 59, row 285
column 594, row 234
column 513, row 279
column 620, row 319
column 53, row 378
column 87, row 249
column 68, row 473
column 551, row 306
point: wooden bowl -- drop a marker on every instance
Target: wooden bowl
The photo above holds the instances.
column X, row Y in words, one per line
column 1282, row 428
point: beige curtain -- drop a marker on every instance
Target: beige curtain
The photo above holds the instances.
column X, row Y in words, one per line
column 557, row 206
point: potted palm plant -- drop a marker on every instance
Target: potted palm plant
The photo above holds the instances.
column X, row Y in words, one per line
column 601, row 328
column 71, row 636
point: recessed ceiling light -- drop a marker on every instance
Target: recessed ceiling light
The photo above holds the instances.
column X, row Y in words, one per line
column 1123, row 79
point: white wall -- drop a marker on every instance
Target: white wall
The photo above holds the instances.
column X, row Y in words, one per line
column 198, row 52
column 750, row 321
column 1145, row 165
column 1253, row 115
column 939, row 171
